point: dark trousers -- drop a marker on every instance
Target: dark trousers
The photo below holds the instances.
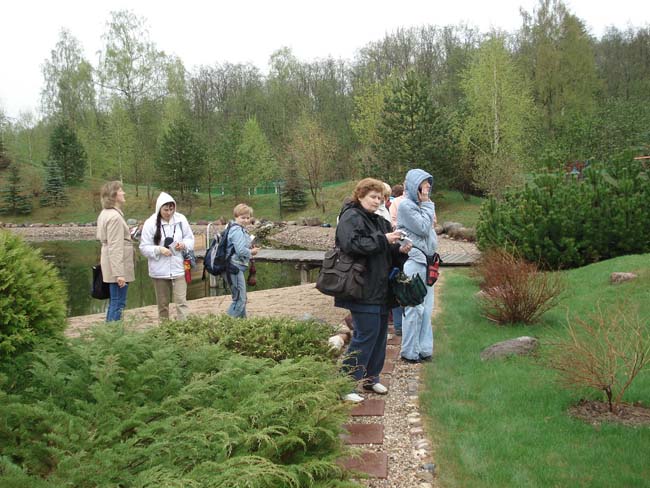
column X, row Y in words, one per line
column 367, row 351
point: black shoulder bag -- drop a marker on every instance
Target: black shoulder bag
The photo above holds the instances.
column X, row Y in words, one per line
column 99, row 289
column 342, row 276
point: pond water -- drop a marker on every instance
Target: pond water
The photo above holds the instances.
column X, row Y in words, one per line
column 74, row 260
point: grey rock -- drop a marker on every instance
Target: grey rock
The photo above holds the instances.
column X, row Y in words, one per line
column 617, row 277
column 519, row 346
column 430, row 467
column 131, row 222
column 467, row 233
column 312, row 221
column 448, row 227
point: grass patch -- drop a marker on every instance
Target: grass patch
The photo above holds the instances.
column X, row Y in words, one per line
column 453, row 206
column 504, row 422
column 84, row 206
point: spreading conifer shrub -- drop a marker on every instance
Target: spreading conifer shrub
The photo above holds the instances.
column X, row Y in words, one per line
column 272, row 338
column 149, row 409
column 561, row 221
column 32, row 297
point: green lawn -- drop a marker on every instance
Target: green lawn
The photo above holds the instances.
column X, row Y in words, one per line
column 504, row 423
column 452, row 206
column 84, row 206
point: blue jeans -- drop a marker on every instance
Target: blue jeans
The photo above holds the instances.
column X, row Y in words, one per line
column 397, row 318
column 117, row 302
column 367, row 351
column 238, row 291
column 417, row 333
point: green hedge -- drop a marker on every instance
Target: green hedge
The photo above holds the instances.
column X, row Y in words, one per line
column 560, row 221
column 152, row 410
column 32, row 296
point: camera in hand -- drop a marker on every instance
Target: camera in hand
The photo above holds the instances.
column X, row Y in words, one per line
column 168, row 242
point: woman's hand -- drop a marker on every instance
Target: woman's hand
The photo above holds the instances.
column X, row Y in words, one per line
column 180, row 246
column 394, row 236
column 165, row 252
column 406, row 247
column 254, row 251
column 121, row 281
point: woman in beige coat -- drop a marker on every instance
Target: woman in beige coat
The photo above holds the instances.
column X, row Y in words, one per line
column 117, row 248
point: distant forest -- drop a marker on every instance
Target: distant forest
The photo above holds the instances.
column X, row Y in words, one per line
column 479, row 110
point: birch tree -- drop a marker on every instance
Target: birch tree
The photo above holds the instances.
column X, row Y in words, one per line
column 500, row 117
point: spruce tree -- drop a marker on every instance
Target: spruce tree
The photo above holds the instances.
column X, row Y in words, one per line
column 54, row 194
column 180, row 159
column 294, row 197
column 4, row 159
column 13, row 199
column 67, row 152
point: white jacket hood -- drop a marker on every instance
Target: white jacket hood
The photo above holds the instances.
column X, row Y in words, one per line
column 163, row 198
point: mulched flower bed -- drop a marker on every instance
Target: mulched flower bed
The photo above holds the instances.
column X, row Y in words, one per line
column 596, row 412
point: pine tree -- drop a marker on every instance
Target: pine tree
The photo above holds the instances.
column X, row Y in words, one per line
column 15, row 202
column 54, row 194
column 413, row 132
column 293, row 194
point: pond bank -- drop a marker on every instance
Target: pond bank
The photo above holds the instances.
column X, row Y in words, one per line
column 289, row 236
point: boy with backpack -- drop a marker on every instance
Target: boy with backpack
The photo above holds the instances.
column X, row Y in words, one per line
column 240, row 252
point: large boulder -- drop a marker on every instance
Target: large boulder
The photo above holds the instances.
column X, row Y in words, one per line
column 449, row 227
column 519, row 346
column 464, row 233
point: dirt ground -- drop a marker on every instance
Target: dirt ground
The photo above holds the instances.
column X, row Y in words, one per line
column 300, row 302
column 596, row 413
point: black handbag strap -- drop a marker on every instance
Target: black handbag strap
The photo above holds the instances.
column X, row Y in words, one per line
column 430, row 259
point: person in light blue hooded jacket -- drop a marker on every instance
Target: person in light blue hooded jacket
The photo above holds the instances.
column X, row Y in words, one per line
column 415, row 217
column 241, row 252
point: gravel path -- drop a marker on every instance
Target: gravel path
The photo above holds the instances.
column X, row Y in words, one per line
column 409, row 445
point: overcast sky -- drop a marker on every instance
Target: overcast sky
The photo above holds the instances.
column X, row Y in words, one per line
column 240, row 31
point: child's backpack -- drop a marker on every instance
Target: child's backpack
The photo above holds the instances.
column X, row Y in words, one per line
column 217, row 258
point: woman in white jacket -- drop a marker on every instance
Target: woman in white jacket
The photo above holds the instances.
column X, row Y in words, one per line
column 165, row 236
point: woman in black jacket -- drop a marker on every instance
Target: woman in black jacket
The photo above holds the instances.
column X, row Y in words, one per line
column 363, row 234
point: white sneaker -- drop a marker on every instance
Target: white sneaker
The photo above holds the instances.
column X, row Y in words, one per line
column 353, row 397
column 379, row 389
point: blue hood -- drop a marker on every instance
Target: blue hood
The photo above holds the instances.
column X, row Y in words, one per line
column 412, row 182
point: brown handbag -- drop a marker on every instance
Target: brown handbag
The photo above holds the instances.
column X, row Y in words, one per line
column 342, row 276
